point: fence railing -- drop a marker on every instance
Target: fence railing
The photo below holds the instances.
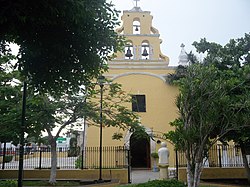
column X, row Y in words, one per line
column 219, row 156
column 112, row 157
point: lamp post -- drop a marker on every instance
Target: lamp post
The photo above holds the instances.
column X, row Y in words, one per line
column 101, row 80
column 21, row 149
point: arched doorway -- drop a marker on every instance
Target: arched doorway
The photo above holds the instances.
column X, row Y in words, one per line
column 140, row 151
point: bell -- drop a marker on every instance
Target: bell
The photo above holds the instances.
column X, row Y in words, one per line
column 128, row 53
column 145, row 52
column 136, row 28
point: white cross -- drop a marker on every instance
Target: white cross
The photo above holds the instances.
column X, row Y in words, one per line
column 136, row 2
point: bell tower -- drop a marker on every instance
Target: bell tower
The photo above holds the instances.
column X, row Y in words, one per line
column 143, row 42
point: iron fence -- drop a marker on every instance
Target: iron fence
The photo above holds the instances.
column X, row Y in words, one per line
column 218, row 156
column 40, row 158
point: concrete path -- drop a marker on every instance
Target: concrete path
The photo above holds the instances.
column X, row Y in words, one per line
column 141, row 176
column 145, row 175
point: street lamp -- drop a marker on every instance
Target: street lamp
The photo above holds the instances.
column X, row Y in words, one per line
column 101, row 80
column 21, row 149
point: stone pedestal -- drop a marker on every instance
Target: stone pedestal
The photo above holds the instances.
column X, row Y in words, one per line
column 163, row 171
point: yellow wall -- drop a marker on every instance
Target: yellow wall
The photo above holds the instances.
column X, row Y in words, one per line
column 121, row 174
column 216, row 173
column 160, row 106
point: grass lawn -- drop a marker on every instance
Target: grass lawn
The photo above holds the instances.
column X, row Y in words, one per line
column 13, row 183
column 171, row 183
column 46, row 183
column 154, row 183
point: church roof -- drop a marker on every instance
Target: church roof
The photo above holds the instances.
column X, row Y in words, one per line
column 136, row 9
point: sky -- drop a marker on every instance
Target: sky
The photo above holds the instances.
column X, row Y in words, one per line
column 186, row 21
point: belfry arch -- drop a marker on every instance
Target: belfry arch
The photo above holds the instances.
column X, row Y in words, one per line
column 136, row 26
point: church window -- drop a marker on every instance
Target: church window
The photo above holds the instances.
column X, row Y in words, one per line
column 138, row 103
column 136, row 27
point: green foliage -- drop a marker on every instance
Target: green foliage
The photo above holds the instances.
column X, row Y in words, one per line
column 178, row 135
column 117, row 136
column 78, row 162
column 179, row 73
column 161, row 183
column 10, row 98
column 8, row 158
column 8, row 183
column 234, row 54
column 233, row 60
column 114, row 110
column 154, row 155
column 63, row 44
column 214, row 100
column 73, row 151
column 42, row 140
column 202, row 99
column 46, row 183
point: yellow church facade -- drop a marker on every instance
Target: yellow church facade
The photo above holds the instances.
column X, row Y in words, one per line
column 141, row 69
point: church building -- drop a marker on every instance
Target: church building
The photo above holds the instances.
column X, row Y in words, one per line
column 141, row 69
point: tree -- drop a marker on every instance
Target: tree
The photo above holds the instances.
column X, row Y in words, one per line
column 181, row 71
column 213, row 101
column 63, row 44
column 9, row 99
column 233, row 56
column 10, row 103
column 68, row 111
column 45, row 112
column 202, row 96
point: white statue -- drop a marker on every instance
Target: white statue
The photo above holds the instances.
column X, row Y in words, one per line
column 163, row 154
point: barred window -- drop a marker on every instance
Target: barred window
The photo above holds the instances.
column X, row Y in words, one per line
column 138, row 103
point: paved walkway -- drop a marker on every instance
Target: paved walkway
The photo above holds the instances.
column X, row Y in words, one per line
column 141, row 176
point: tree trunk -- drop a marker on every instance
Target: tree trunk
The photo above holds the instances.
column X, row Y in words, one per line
column 190, row 178
column 197, row 173
column 193, row 175
column 245, row 162
column 52, row 179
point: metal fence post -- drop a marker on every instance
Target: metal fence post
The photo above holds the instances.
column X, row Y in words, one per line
column 129, row 167
column 220, row 164
column 177, row 165
column 82, row 159
column 40, row 159
column 4, row 154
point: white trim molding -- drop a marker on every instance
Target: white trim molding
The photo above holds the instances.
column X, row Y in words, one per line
column 116, row 76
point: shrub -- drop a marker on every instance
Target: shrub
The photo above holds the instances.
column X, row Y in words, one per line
column 8, row 158
column 73, row 151
column 8, row 183
column 154, row 155
column 161, row 183
column 78, row 162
